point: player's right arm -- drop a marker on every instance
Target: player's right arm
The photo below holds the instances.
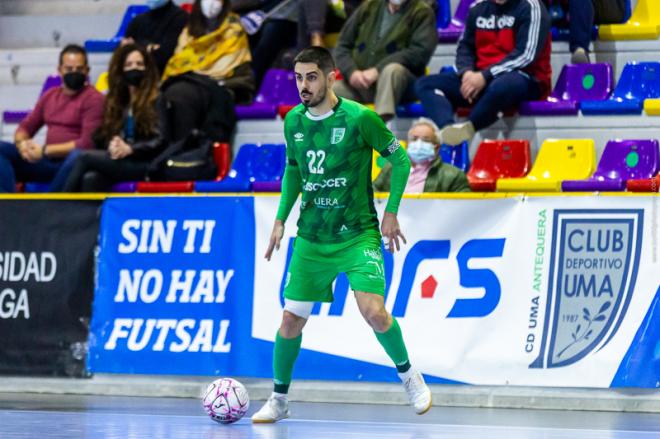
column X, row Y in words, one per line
column 291, row 188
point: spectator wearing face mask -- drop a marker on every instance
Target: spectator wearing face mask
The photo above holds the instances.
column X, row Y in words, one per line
column 70, row 113
column 132, row 132
column 428, row 172
column 158, row 30
column 209, row 73
column 382, row 49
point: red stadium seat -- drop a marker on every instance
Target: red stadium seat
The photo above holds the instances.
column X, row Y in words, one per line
column 164, row 186
column 187, row 7
column 221, row 156
column 282, row 110
column 644, row 184
column 498, row 159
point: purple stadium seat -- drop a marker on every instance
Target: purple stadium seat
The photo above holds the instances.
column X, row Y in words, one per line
column 17, row 116
column 452, row 33
column 622, row 160
column 124, row 187
column 576, row 83
column 278, row 88
column 267, row 186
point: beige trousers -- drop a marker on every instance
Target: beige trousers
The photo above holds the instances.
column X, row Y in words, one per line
column 393, row 83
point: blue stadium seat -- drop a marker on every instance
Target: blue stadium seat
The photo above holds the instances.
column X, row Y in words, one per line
column 261, row 164
column 36, row 188
column 110, row 45
column 458, row 155
column 414, row 109
column 639, row 81
column 268, row 164
column 443, row 14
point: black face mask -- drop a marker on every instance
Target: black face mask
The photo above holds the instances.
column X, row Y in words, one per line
column 75, row 80
column 133, row 77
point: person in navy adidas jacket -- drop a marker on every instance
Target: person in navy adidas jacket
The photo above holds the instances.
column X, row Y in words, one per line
column 502, row 59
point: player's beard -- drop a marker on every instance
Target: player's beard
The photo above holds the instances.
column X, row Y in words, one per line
column 314, row 102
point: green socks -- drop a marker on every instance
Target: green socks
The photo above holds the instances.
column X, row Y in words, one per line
column 284, row 356
column 392, row 342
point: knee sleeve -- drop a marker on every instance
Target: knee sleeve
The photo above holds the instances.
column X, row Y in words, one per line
column 299, row 308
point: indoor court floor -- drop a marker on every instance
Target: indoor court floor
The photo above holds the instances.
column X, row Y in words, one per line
column 103, row 417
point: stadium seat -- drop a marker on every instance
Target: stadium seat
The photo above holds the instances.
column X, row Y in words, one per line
column 268, row 164
column 278, row 88
column 98, row 46
column 443, row 14
column 16, row 116
column 652, row 107
column 644, row 24
column 221, row 157
column 102, row 83
column 187, row 7
column 639, row 81
column 36, row 188
column 564, row 33
column 414, row 109
column 453, row 31
column 558, row 160
column 251, row 162
column 622, row 160
column 458, row 155
column 577, row 82
column 124, row 187
column 378, row 161
column 164, row 186
column 644, row 185
column 497, row 159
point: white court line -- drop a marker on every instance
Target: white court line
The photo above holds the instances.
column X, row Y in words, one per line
column 365, row 423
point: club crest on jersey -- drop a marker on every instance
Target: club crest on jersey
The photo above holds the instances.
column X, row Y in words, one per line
column 337, row 135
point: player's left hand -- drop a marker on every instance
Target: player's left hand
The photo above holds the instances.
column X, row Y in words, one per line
column 392, row 232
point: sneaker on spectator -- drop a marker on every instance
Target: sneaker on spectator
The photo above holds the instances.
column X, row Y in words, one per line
column 457, row 133
column 580, row 56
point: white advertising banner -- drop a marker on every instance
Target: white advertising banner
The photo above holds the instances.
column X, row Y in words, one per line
column 543, row 291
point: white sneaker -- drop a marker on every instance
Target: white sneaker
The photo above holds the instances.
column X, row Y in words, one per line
column 275, row 409
column 457, row 133
column 418, row 392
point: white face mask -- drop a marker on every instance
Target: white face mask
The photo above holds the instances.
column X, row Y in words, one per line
column 397, row 2
column 420, row 151
column 211, row 8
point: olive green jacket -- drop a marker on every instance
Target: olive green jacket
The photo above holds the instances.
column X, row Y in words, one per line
column 410, row 42
column 441, row 178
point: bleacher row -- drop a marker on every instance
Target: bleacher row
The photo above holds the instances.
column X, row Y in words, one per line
column 502, row 165
column 589, row 89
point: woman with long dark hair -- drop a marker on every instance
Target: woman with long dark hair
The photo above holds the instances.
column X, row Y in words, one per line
column 131, row 134
column 209, row 73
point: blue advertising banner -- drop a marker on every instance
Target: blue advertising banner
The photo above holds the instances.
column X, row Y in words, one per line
column 174, row 287
column 539, row 291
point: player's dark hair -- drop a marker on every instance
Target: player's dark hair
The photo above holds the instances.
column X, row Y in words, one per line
column 74, row 49
column 317, row 55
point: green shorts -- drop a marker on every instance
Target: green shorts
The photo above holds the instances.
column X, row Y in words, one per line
column 314, row 267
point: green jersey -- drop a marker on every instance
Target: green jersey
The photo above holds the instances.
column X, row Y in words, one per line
column 333, row 155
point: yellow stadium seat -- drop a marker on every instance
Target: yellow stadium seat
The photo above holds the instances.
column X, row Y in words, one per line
column 378, row 162
column 102, row 83
column 644, row 24
column 566, row 159
column 652, row 107
column 330, row 40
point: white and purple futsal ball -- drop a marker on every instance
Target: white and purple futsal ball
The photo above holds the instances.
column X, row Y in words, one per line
column 226, row 400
